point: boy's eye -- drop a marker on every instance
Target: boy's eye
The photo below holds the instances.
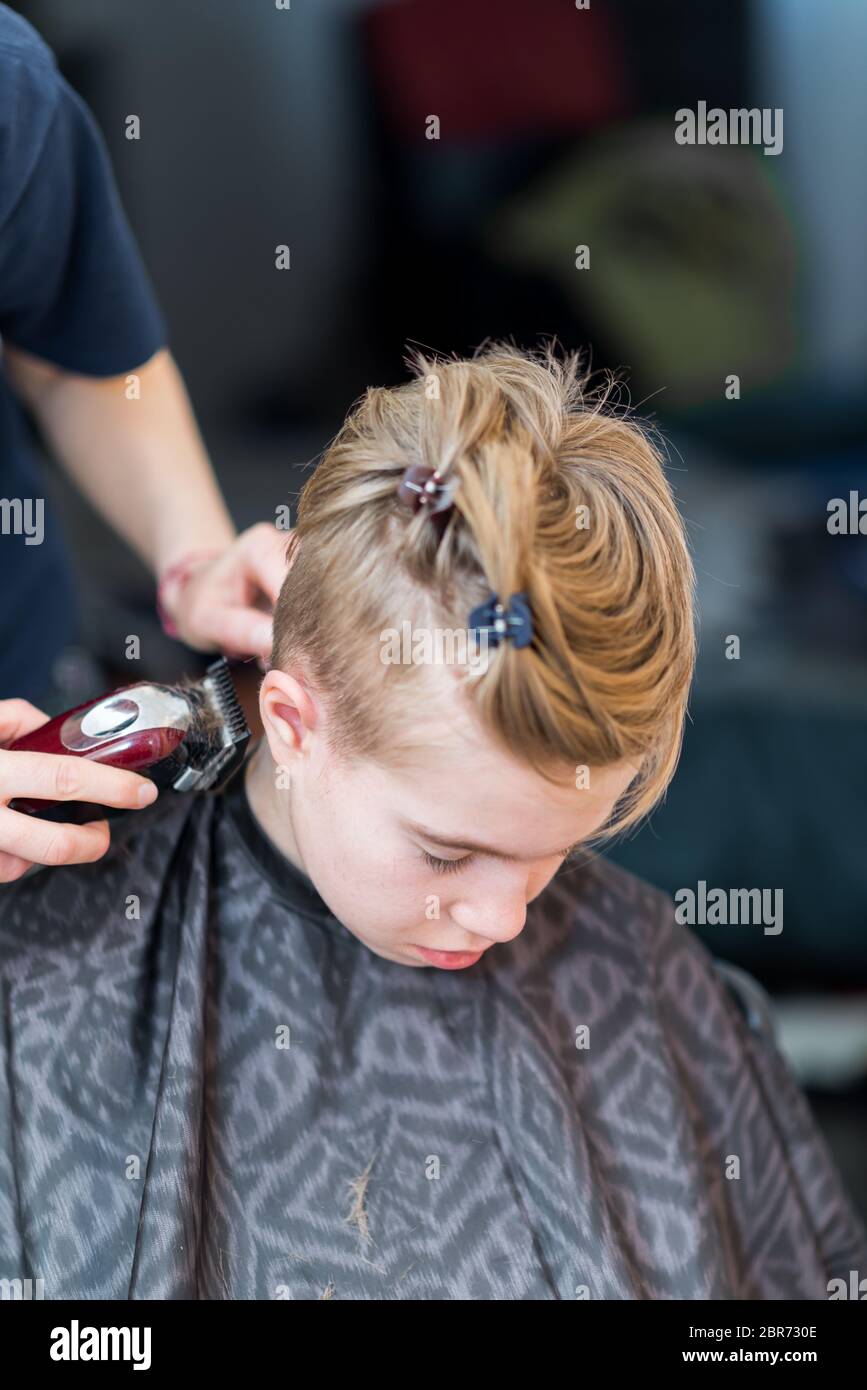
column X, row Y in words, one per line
column 451, row 866
column 445, row 866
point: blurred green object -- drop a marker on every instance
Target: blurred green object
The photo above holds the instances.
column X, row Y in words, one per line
column 692, row 256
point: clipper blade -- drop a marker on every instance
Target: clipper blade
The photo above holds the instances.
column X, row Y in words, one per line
column 221, row 732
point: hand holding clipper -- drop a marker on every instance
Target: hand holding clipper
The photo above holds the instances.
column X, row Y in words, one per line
column 189, row 737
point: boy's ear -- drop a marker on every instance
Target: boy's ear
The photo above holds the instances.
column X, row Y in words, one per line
column 288, row 712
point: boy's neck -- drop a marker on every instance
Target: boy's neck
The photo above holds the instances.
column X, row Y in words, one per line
column 271, row 808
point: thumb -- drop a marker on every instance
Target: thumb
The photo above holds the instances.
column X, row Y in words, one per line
column 17, row 718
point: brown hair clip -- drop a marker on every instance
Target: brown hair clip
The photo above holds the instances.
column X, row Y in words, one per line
column 425, row 487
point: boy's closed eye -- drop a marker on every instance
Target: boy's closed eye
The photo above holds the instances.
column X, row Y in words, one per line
column 445, row 866
column 450, row 866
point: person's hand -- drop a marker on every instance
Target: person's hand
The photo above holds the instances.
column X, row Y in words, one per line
column 224, row 603
column 27, row 840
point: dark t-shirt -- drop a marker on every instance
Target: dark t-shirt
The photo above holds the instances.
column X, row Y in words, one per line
column 210, row 1089
column 73, row 291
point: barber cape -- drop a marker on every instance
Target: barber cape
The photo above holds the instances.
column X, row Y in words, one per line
column 210, row 1089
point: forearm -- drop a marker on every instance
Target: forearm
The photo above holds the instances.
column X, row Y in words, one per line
column 141, row 462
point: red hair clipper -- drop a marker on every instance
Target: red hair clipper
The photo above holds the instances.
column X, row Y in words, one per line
column 190, row 737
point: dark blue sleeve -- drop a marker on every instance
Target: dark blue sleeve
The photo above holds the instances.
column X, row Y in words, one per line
column 73, row 289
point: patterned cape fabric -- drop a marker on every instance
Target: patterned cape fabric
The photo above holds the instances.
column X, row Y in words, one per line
column 210, row 1089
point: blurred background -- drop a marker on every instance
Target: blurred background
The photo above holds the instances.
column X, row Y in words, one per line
column 307, row 127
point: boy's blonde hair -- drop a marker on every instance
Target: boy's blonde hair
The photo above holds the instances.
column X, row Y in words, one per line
column 607, row 676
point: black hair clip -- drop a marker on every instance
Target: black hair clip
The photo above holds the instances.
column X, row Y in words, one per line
column 425, row 487
column 502, row 622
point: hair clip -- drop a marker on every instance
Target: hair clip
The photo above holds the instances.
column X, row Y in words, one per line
column 502, row 622
column 425, row 487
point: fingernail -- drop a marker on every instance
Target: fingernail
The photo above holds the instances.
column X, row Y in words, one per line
column 147, row 794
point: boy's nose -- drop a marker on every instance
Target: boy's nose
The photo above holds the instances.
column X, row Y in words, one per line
column 496, row 922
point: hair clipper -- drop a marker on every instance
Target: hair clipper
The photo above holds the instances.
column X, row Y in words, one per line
column 190, row 737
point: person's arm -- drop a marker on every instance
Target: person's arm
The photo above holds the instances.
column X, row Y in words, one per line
column 140, row 460
column 77, row 316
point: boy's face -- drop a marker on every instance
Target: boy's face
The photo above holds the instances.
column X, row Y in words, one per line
column 386, row 848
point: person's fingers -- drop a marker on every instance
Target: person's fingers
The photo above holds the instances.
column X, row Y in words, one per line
column 19, row 717
column 226, row 604
column 57, row 777
column 265, row 549
column 49, row 842
column 12, row 866
column 243, row 630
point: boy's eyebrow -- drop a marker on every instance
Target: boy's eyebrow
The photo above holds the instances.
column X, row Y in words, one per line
column 473, row 845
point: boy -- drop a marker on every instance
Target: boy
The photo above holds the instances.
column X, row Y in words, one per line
column 340, row 1032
